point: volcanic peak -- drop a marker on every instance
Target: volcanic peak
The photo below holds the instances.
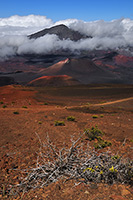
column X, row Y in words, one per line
column 62, row 31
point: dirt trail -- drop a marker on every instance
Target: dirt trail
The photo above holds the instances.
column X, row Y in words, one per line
column 40, row 108
column 113, row 102
column 103, row 104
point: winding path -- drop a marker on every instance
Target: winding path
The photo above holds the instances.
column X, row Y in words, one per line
column 113, row 102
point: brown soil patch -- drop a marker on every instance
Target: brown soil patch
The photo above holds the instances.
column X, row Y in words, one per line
column 17, row 94
column 19, row 143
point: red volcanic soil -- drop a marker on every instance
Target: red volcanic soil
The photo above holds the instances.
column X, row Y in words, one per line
column 19, row 144
column 124, row 60
column 119, row 60
column 100, row 63
column 18, row 94
column 58, row 80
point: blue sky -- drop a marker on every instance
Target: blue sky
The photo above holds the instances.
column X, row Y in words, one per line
column 86, row 10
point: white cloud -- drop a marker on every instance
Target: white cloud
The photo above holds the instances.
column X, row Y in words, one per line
column 23, row 25
column 14, row 31
column 26, row 21
column 43, row 44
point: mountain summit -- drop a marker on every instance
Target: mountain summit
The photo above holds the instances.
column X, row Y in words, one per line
column 62, row 31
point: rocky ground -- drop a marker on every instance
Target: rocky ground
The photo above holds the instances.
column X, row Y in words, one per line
column 26, row 111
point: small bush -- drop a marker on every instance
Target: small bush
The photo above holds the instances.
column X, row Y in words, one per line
column 102, row 144
column 39, row 122
column 101, row 115
column 16, row 112
column 103, row 102
column 95, row 116
column 59, row 123
column 24, row 106
column 45, row 103
column 70, row 118
column 93, row 133
column 4, row 106
column 1, row 102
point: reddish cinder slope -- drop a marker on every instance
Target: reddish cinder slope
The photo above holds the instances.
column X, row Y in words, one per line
column 16, row 94
column 124, row 60
column 58, row 80
column 71, row 66
column 82, row 69
column 56, row 68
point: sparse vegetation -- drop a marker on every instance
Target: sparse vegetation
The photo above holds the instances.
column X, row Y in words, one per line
column 102, row 144
column 59, row 123
column 70, row 118
column 95, row 116
column 16, row 112
column 24, row 107
column 4, row 106
column 93, row 133
column 77, row 162
column 88, row 104
column 45, row 103
column 28, row 163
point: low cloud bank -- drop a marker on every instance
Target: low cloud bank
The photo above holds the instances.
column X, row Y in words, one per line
column 105, row 35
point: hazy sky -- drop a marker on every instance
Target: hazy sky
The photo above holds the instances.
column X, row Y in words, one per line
column 58, row 9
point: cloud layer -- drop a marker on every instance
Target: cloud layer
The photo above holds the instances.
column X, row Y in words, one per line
column 105, row 35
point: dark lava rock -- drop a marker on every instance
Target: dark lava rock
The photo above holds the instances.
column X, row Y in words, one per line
column 62, row 31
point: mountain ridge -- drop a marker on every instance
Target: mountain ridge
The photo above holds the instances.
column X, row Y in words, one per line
column 62, row 31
